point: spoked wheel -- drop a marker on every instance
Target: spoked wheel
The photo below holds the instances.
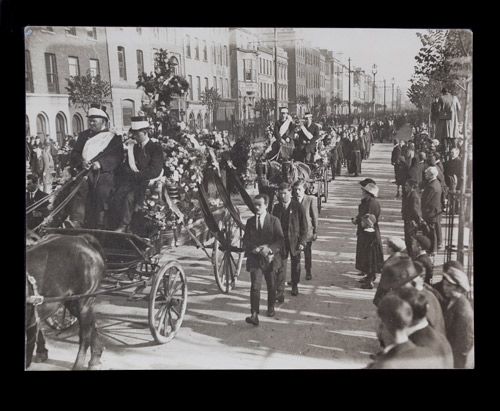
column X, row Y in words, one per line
column 167, row 302
column 320, row 195
column 325, row 182
column 61, row 320
column 227, row 263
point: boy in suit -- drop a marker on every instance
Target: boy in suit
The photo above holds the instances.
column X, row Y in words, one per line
column 310, row 204
column 263, row 242
column 294, row 225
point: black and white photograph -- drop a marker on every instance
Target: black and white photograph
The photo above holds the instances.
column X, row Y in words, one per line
column 248, row 198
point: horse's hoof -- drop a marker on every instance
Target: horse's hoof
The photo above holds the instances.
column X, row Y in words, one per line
column 41, row 357
column 95, row 367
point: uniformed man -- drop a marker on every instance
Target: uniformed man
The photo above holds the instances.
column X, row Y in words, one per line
column 284, row 131
column 90, row 203
column 144, row 162
column 308, row 136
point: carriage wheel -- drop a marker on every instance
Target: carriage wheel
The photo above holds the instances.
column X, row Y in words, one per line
column 320, row 194
column 61, row 320
column 167, row 302
column 325, row 182
column 227, row 264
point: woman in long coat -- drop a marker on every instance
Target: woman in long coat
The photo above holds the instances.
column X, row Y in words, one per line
column 369, row 252
column 355, row 164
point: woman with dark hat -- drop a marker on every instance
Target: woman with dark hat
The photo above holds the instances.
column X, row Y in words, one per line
column 369, row 253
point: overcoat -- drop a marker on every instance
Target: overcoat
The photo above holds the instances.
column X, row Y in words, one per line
column 297, row 226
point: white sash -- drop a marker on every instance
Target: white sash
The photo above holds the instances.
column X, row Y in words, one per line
column 306, row 132
column 96, row 144
column 284, row 126
column 131, row 157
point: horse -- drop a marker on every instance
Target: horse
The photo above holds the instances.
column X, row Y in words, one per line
column 64, row 266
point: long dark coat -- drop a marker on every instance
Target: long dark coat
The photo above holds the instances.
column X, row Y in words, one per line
column 369, row 252
column 297, row 225
column 459, row 321
column 355, row 164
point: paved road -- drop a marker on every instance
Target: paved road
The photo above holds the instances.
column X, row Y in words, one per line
column 330, row 324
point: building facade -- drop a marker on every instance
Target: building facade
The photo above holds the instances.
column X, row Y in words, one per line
column 52, row 55
column 131, row 52
column 244, row 63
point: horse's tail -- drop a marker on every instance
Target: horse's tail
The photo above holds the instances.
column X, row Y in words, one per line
column 95, row 244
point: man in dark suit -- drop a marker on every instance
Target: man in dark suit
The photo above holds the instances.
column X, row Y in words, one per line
column 394, row 318
column 308, row 136
column 310, row 204
column 411, row 214
column 263, row 242
column 294, row 225
column 422, row 334
column 144, row 162
column 33, row 195
column 431, row 207
column 92, row 201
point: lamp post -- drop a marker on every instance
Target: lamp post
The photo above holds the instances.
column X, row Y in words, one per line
column 392, row 99
column 384, row 97
column 374, row 72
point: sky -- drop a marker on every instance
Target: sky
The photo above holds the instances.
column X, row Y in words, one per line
column 392, row 50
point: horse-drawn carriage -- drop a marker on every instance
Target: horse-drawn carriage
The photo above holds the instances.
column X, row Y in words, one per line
column 274, row 169
column 133, row 262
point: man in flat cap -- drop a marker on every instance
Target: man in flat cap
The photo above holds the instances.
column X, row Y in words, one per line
column 91, row 202
column 458, row 314
column 308, row 136
column 284, row 132
column 144, row 163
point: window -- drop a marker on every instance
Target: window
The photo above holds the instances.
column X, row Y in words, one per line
column 196, row 48
column 60, row 128
column 225, row 57
column 121, row 63
column 214, row 61
column 221, row 87
column 77, row 124
column 92, row 33
column 41, row 127
column 227, row 87
column 74, row 66
column 215, row 82
column 199, row 121
column 140, row 63
column 94, row 67
column 127, row 112
column 206, row 83
column 51, row 67
column 190, row 79
column 139, row 30
column 205, row 54
column 198, row 87
column 219, row 54
column 29, row 74
column 70, row 30
column 192, row 123
column 188, row 46
column 249, row 70
column 27, row 129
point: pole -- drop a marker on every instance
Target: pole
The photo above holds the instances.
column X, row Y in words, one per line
column 461, row 217
column 349, row 90
column 374, row 95
column 392, row 99
column 276, row 114
column 384, row 97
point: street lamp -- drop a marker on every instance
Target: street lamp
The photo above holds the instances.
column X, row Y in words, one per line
column 392, row 99
column 374, row 72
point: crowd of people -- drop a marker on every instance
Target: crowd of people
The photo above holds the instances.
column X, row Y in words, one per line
column 421, row 324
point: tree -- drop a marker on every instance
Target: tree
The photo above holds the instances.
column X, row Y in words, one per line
column 265, row 105
column 86, row 90
column 212, row 99
column 159, row 89
column 442, row 61
column 302, row 100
